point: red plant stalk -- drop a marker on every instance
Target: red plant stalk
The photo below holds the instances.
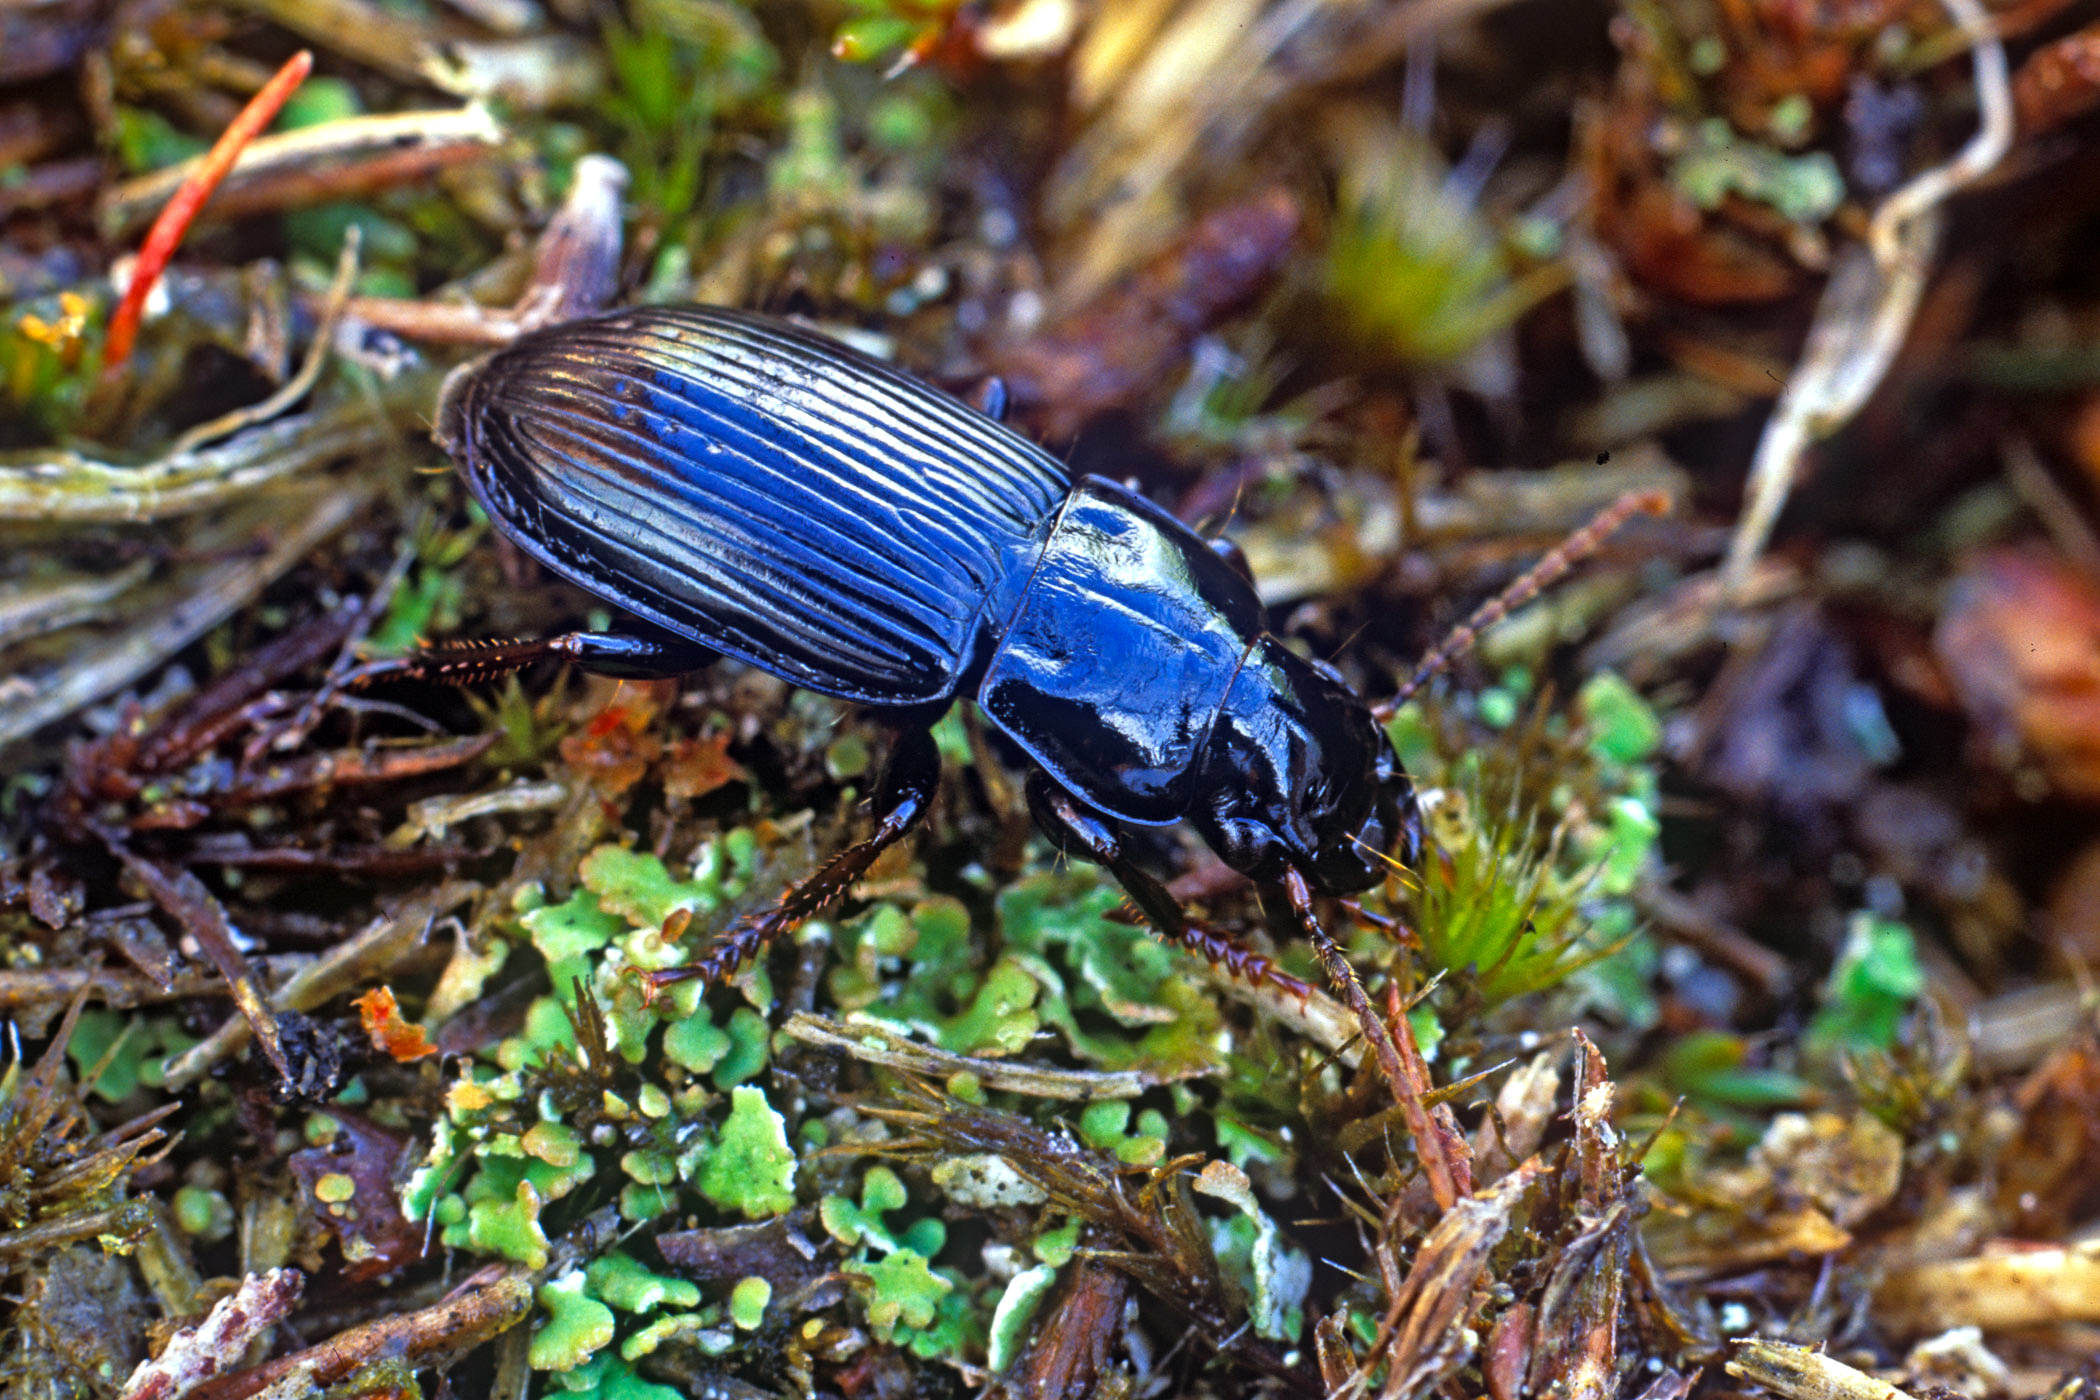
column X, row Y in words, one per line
column 181, row 211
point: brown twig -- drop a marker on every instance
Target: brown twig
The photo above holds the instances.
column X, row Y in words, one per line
column 186, row 899
column 491, row 1302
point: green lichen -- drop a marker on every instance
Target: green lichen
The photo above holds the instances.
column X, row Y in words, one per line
column 752, row 1168
column 577, row 1325
column 132, row 1052
column 621, row 1281
column 203, row 1213
column 1272, row 1276
column 508, row 1227
column 905, row 1290
column 1102, row 1126
column 748, row 1301
column 1018, row 1304
column 1873, row 986
column 1717, row 163
column 881, row 1191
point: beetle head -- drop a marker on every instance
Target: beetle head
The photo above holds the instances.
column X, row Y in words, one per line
column 1297, row 775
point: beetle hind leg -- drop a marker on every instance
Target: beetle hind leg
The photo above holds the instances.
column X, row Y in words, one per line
column 638, row 656
column 1088, row 836
column 901, row 801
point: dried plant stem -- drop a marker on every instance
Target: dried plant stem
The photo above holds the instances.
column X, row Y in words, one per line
column 293, row 389
column 181, row 211
column 1869, row 304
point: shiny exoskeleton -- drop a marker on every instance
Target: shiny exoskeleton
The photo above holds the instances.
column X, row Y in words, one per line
column 744, row 487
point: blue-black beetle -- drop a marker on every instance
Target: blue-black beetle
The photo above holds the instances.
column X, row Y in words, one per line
column 745, row 487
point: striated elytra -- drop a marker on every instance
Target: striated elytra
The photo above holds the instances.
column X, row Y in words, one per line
column 740, row 486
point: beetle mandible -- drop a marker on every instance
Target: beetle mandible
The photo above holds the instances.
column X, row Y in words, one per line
column 743, row 487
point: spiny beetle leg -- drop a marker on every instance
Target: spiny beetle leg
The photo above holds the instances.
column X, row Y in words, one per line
column 1345, row 981
column 1088, row 836
column 605, row 653
column 901, row 800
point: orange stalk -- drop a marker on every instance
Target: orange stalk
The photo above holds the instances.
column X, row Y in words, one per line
column 181, row 210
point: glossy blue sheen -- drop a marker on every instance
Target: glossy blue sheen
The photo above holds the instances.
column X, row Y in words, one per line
column 1120, row 652
column 778, row 497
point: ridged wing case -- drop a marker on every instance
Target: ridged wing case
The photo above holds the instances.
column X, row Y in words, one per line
column 757, row 488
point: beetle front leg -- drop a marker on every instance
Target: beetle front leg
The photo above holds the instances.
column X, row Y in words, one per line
column 1346, row 983
column 901, row 802
column 1079, row 832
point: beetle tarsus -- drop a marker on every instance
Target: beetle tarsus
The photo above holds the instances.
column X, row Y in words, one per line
column 903, row 799
column 1345, row 981
column 1088, row 836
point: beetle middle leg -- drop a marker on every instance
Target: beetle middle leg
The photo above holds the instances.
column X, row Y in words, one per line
column 1087, row 835
column 902, row 800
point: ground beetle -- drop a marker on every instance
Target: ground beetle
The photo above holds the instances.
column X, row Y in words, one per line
column 744, row 487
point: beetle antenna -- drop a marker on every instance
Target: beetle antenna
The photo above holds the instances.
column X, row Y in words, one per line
column 1540, row 576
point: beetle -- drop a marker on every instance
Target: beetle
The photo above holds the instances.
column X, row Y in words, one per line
column 739, row 486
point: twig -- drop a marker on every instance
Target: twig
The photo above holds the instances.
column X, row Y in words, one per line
column 56, row 485
column 372, row 951
column 195, row 1354
column 181, row 211
column 293, row 389
column 1868, row 306
column 335, row 160
column 575, row 269
column 155, row 631
column 892, row 1051
column 186, row 899
column 491, row 1302
column 1803, row 1373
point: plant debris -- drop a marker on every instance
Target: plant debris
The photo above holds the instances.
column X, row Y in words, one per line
column 1733, row 1036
